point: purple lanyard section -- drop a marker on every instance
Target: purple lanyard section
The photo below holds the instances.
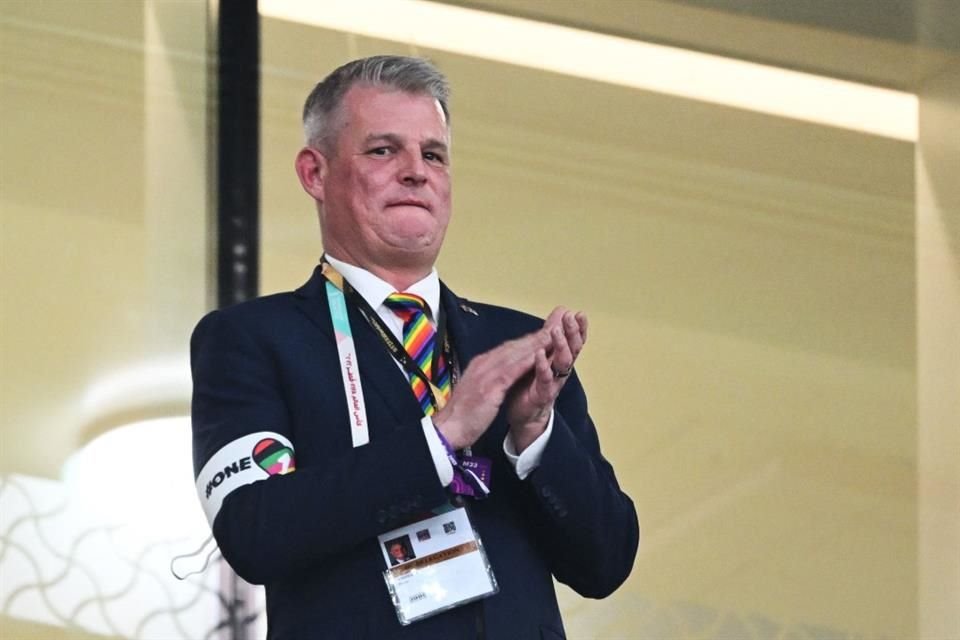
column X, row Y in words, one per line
column 471, row 474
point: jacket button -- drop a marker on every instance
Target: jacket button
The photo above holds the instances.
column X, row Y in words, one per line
column 546, row 492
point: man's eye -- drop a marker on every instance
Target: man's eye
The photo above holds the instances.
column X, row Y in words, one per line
column 431, row 156
column 379, row 151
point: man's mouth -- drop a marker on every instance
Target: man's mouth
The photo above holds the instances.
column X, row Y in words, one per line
column 409, row 202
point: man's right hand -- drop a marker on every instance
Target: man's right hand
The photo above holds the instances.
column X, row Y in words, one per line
column 477, row 398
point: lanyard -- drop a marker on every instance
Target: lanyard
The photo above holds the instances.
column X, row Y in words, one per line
column 395, row 348
column 349, row 370
column 338, row 290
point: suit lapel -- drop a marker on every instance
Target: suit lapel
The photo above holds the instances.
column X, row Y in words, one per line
column 461, row 323
column 379, row 372
column 471, row 338
column 381, row 376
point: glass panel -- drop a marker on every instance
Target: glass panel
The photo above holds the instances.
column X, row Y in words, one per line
column 103, row 229
column 751, row 368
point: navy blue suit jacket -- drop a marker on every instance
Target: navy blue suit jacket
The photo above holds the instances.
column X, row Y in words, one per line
column 310, row 536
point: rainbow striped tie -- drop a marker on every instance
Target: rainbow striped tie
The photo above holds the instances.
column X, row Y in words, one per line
column 419, row 339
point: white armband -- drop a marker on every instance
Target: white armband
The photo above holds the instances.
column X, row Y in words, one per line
column 249, row 459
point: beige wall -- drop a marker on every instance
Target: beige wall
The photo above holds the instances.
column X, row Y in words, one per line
column 103, row 117
column 751, row 366
column 103, row 215
column 769, row 363
column 938, row 353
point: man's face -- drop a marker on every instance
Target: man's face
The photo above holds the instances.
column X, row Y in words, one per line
column 386, row 191
column 396, row 550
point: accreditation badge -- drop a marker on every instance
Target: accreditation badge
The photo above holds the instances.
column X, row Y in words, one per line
column 435, row 564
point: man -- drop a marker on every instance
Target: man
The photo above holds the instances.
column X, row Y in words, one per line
column 398, row 553
column 355, row 430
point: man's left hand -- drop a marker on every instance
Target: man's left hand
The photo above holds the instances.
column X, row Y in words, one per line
column 530, row 401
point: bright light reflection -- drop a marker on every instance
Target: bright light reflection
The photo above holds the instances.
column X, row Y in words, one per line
column 140, row 475
column 631, row 63
column 147, row 384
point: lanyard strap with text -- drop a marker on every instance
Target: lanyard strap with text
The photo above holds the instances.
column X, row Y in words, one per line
column 350, row 372
column 395, row 348
column 471, row 474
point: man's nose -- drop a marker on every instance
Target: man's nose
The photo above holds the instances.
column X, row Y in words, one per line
column 413, row 171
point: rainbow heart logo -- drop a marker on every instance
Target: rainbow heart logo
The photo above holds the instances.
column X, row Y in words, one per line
column 274, row 457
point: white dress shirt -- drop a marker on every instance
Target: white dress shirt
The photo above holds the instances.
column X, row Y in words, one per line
column 375, row 292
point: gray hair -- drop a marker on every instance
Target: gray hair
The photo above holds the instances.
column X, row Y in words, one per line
column 411, row 75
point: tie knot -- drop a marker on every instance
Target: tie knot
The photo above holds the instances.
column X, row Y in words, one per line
column 405, row 303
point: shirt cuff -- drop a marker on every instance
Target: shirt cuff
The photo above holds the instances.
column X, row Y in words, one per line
column 437, row 451
column 526, row 462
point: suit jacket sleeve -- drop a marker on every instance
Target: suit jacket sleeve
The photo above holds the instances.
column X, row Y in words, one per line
column 573, row 507
column 586, row 522
column 273, row 528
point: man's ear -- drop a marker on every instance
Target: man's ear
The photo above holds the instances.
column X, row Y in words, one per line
column 311, row 167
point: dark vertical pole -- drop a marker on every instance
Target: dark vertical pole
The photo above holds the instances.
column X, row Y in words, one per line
column 238, row 151
column 235, row 233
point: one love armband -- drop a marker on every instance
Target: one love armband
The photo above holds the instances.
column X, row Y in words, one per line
column 246, row 460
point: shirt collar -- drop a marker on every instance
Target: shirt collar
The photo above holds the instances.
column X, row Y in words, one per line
column 375, row 291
